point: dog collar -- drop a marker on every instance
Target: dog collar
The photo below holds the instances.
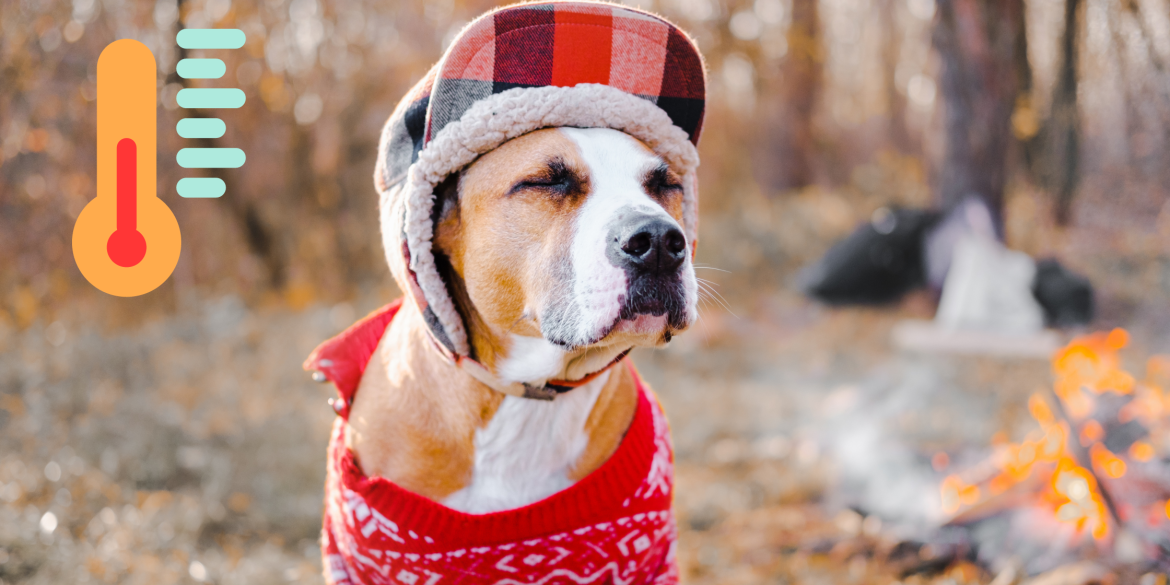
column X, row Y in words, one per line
column 343, row 359
column 547, row 391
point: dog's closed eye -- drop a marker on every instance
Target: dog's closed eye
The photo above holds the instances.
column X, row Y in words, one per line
column 555, row 179
column 660, row 181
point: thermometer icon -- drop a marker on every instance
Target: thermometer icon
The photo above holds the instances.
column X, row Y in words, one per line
column 126, row 241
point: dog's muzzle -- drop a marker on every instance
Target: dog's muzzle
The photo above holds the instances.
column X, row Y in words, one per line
column 651, row 250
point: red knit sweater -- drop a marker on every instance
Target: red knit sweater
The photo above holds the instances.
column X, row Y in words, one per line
column 614, row 526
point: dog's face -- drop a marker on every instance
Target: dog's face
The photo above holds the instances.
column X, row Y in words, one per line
column 566, row 241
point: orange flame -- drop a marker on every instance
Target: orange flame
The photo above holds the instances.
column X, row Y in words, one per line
column 1087, row 367
column 1106, row 461
column 1090, row 363
column 1142, row 451
column 1079, row 498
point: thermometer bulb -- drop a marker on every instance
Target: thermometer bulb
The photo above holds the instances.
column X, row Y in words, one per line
column 126, row 246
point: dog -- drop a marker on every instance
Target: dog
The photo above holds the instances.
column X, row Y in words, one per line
column 491, row 428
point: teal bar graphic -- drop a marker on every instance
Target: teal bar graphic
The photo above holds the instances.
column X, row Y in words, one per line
column 210, row 97
column 210, row 38
column 201, row 187
column 200, row 68
column 206, row 98
column 201, row 127
column 210, row 158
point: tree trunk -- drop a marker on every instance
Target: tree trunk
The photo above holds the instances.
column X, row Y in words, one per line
column 789, row 142
column 1061, row 137
column 899, row 136
column 977, row 41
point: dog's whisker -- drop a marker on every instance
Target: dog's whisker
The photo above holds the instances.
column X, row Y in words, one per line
column 706, row 283
column 707, row 299
column 516, row 323
column 703, row 324
column 703, row 297
column 710, row 303
column 715, row 296
column 726, row 305
column 706, row 286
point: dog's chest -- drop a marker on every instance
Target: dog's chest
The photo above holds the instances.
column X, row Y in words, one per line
column 526, row 451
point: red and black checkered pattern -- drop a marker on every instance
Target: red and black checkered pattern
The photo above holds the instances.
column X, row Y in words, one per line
column 559, row 44
column 563, row 44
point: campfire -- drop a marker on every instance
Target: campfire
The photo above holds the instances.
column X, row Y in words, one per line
column 1093, row 477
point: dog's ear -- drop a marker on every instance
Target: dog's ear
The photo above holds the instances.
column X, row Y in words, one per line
column 445, row 217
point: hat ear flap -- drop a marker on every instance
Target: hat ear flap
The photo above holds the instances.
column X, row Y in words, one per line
column 446, row 218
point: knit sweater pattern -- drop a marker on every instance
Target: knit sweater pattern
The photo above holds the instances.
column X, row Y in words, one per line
column 616, row 525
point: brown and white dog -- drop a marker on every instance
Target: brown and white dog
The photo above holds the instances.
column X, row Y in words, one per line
column 539, row 208
column 563, row 249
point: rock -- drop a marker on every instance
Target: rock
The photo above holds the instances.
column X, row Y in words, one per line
column 877, row 264
column 1067, row 297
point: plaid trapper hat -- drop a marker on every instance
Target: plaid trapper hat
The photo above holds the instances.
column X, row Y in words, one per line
column 519, row 69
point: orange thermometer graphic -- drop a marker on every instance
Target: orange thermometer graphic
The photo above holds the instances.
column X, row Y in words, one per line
column 126, row 241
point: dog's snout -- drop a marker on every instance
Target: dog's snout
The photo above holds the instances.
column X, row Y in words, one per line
column 649, row 245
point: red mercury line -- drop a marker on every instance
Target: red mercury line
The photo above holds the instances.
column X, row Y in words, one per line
column 126, row 246
column 127, row 185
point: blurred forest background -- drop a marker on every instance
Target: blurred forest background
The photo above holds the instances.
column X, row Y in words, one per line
column 172, row 437
column 819, row 109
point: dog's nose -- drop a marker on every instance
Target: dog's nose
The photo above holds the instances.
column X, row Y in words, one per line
column 651, row 246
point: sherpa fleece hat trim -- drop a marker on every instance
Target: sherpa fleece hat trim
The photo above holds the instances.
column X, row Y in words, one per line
column 424, row 142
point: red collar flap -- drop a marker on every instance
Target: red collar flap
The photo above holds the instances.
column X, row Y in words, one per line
column 343, row 358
